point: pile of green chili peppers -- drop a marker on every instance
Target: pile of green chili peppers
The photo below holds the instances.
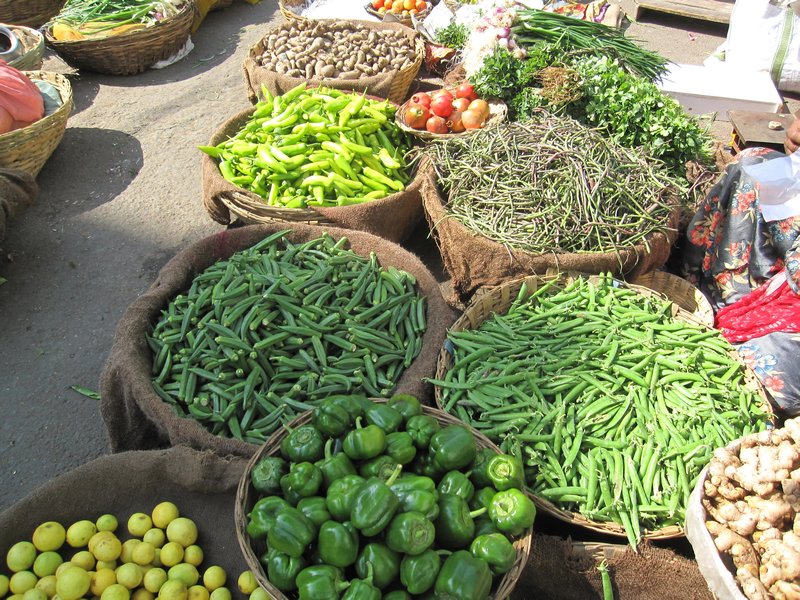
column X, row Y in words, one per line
column 379, row 500
column 318, row 147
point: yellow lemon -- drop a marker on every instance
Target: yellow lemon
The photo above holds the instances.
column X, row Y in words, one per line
column 139, row 523
column 171, row 554
column 259, row 594
column 106, row 564
column 155, row 536
column 3, row 585
column 247, row 582
column 83, row 559
column 63, row 567
column 157, row 558
column 101, row 579
column 73, row 583
column 105, row 546
column 107, row 522
column 128, row 546
column 184, row 572
column 143, row 553
column 154, row 579
column 49, row 536
column 198, row 592
column 222, row 593
column 173, row 590
column 193, row 555
column 116, row 591
column 46, row 563
column 214, row 577
column 143, row 594
column 21, row 556
column 183, row 531
column 47, row 584
column 22, row 581
column 14, row 597
column 130, row 575
column 34, row 594
column 80, row 532
column 164, row 513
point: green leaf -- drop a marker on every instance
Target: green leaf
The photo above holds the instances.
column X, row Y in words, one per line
column 85, row 392
column 3, row 280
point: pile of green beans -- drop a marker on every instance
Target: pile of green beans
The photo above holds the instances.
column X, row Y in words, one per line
column 280, row 326
column 551, row 184
column 317, row 147
column 614, row 405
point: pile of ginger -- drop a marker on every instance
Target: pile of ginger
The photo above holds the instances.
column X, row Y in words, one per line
column 753, row 497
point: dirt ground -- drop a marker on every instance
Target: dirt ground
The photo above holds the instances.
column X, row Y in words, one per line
column 118, row 198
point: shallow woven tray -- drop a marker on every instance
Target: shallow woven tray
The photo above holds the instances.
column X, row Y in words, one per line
column 31, row 13
column 32, row 41
column 128, row 53
column 288, row 8
column 29, row 148
column 498, row 300
column 400, row 19
column 246, row 497
column 497, row 114
column 679, row 291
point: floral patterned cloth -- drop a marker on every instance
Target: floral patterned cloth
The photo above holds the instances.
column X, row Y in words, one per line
column 731, row 251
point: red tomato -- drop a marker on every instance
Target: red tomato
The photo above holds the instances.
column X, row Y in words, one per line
column 442, row 105
column 377, row 4
column 465, row 90
column 421, row 98
column 416, row 116
column 436, row 125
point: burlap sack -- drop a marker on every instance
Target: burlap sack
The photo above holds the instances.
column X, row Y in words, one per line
column 382, row 85
column 201, row 484
column 556, row 570
column 137, row 418
column 18, row 190
column 394, row 217
column 474, row 261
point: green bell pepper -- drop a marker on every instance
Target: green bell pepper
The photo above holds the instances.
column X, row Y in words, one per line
column 315, row 509
column 422, row 428
column 282, row 569
column 455, row 527
column 321, row 582
column 384, row 417
column 410, row 533
column 266, row 475
column 304, row 444
column 407, row 405
column 478, row 471
column 385, row 564
column 506, row 472
column 362, row 443
column 400, row 447
column 512, row 512
column 423, row 465
column 331, row 419
column 496, row 550
column 302, row 481
column 381, row 467
column 338, row 543
column 418, row 573
column 408, row 482
column 484, row 526
column 374, row 505
column 456, row 483
column 291, row 532
column 482, row 498
column 426, row 503
column 262, row 516
column 352, row 404
column 363, row 589
column 397, row 595
column 334, row 466
column 463, row 577
column 453, row 448
column 341, row 494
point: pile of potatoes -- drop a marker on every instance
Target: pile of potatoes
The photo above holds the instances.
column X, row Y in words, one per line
column 339, row 50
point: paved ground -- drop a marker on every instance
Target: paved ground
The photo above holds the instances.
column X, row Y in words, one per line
column 118, row 198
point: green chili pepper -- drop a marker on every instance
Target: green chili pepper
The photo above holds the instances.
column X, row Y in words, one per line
column 304, row 444
column 338, row 543
column 457, row 483
column 410, row 533
column 374, row 505
column 421, row 428
column 479, row 471
column 496, row 550
column 512, row 512
column 320, row 582
column 406, row 404
column 331, row 419
column 291, row 532
column 340, row 496
column 384, row 417
column 455, row 527
column 334, row 466
column 418, row 573
column 364, row 442
column 453, row 448
column 385, row 564
column 400, row 446
column 303, row 481
column 266, row 475
column 315, row 509
column 262, row 516
column 382, row 467
column 282, row 569
column 463, row 577
column 506, row 472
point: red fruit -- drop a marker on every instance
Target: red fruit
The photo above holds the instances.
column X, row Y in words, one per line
column 480, row 106
column 454, row 122
column 442, row 105
column 444, row 93
column 465, row 90
column 461, row 104
column 421, row 98
column 416, row 115
column 436, row 125
column 472, row 119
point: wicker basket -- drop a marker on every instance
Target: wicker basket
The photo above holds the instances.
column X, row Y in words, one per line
column 290, row 9
column 679, row 291
column 31, row 13
column 32, row 42
column 405, row 20
column 29, row 148
column 498, row 300
column 128, row 53
column 246, row 497
column 497, row 114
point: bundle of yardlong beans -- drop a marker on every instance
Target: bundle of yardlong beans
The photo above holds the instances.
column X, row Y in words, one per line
column 553, row 185
column 614, row 405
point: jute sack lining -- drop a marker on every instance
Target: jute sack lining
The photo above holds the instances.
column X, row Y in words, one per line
column 201, row 484
column 393, row 217
column 18, row 190
column 137, row 418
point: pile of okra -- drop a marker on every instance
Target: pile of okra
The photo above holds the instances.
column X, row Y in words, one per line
column 280, row 326
column 614, row 405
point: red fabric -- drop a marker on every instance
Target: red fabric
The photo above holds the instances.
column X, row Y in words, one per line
column 759, row 313
column 21, row 102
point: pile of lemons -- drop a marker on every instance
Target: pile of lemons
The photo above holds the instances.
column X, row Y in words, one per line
column 160, row 560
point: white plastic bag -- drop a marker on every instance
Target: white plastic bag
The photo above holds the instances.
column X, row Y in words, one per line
column 764, row 35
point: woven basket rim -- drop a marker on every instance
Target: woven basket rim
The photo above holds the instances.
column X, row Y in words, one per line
column 679, row 291
column 497, row 114
column 64, row 87
column 32, row 41
column 245, row 494
column 465, row 322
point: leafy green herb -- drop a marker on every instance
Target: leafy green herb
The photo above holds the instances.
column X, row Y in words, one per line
column 525, row 103
column 453, row 36
column 499, row 75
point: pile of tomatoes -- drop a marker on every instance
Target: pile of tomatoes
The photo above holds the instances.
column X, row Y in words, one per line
column 403, row 8
column 446, row 111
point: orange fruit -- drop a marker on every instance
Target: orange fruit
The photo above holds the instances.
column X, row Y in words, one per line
column 387, row 4
column 420, row 5
column 409, row 4
column 397, row 7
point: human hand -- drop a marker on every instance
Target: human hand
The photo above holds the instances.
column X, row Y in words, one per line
column 792, row 141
